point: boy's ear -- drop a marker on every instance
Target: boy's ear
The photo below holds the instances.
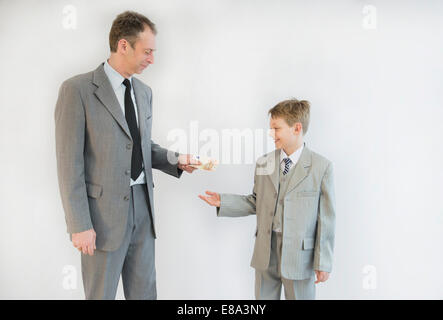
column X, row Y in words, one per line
column 298, row 128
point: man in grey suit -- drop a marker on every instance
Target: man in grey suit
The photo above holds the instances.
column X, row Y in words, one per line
column 294, row 202
column 105, row 157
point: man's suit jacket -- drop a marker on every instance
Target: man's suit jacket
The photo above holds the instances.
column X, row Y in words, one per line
column 94, row 150
column 308, row 214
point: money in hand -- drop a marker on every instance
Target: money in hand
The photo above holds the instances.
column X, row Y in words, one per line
column 207, row 163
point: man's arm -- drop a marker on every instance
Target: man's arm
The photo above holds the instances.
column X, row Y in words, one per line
column 324, row 243
column 165, row 160
column 70, row 137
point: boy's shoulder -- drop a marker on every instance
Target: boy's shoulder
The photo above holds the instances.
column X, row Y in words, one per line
column 320, row 164
column 264, row 158
column 318, row 159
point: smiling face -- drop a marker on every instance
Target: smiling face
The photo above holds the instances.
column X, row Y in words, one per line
column 285, row 137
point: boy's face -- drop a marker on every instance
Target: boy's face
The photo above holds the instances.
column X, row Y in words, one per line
column 284, row 135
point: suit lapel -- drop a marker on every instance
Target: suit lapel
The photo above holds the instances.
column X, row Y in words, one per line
column 274, row 174
column 143, row 108
column 144, row 111
column 301, row 169
column 107, row 96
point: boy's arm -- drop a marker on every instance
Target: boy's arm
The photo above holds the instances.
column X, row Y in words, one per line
column 233, row 205
column 324, row 243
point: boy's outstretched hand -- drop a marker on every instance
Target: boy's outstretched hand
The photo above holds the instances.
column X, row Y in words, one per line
column 213, row 199
column 322, row 276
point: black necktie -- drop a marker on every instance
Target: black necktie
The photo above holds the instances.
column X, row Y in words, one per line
column 137, row 158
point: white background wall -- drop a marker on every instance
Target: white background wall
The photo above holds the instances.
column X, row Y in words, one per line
column 376, row 113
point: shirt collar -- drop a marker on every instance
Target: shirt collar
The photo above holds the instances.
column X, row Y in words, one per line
column 115, row 78
column 294, row 156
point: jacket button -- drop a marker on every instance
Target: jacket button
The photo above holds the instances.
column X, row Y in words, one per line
column 129, row 146
column 126, row 198
column 272, row 214
column 127, row 172
column 269, row 231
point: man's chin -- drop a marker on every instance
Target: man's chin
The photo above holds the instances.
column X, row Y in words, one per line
column 141, row 69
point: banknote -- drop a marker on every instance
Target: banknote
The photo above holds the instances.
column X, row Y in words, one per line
column 207, row 163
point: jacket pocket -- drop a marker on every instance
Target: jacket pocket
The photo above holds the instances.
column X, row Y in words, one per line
column 307, row 193
column 308, row 243
column 93, row 190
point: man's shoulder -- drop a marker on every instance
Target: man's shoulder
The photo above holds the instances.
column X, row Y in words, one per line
column 142, row 84
column 78, row 80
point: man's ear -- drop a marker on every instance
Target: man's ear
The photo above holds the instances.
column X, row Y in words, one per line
column 123, row 45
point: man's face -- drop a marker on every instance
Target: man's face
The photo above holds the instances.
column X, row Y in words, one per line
column 282, row 133
column 142, row 55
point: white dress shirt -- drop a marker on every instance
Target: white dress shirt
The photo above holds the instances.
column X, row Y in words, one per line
column 294, row 157
column 116, row 80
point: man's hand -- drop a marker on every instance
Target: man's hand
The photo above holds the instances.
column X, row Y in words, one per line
column 213, row 199
column 84, row 241
column 322, row 276
column 184, row 161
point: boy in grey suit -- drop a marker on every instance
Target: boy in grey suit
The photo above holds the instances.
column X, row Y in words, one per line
column 294, row 202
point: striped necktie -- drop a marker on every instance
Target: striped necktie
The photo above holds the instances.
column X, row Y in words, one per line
column 288, row 163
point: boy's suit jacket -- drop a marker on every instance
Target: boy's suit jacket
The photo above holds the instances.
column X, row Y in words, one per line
column 94, row 150
column 308, row 215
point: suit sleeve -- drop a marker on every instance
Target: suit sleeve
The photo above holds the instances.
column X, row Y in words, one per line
column 233, row 205
column 164, row 159
column 324, row 243
column 70, row 139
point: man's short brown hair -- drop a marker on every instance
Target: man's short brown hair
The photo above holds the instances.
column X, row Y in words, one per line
column 292, row 111
column 128, row 25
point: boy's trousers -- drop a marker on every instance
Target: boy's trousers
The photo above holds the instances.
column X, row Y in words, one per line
column 268, row 283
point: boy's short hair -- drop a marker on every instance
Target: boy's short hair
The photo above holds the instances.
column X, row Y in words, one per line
column 292, row 111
